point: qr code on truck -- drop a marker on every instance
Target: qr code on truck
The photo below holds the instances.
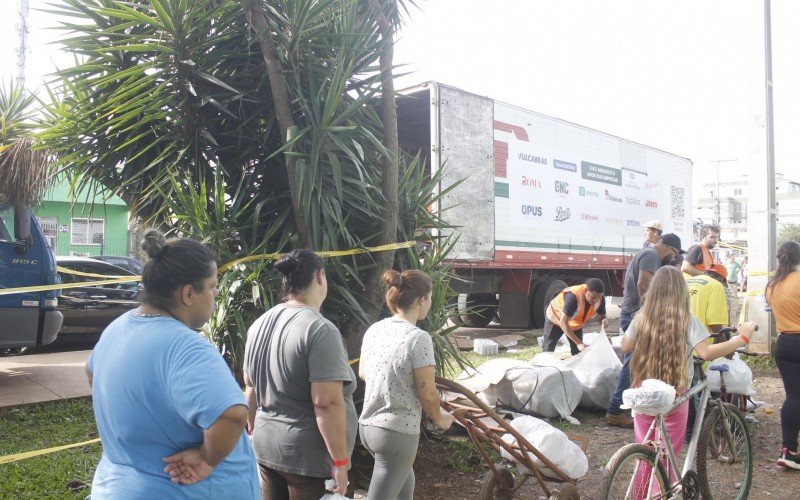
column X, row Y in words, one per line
column 677, row 202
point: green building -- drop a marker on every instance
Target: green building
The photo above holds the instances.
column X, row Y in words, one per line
column 83, row 224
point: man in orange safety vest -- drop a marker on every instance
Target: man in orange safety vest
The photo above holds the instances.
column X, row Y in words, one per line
column 570, row 310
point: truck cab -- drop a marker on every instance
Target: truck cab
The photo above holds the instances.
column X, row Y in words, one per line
column 27, row 319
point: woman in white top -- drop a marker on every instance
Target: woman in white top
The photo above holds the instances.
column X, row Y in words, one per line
column 398, row 366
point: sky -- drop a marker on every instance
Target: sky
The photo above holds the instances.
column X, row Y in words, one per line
column 684, row 76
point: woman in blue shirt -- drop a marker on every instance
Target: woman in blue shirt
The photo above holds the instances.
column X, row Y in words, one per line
column 171, row 417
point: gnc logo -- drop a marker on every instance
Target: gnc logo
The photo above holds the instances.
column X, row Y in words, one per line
column 562, row 187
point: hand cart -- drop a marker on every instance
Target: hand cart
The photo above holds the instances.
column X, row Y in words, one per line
column 485, row 428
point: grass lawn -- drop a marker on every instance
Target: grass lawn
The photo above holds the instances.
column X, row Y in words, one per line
column 64, row 474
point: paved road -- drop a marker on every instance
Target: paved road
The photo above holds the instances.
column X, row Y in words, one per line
column 43, row 377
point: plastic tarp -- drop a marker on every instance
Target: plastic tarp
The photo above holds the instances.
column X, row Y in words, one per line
column 550, row 442
column 546, row 391
column 596, row 368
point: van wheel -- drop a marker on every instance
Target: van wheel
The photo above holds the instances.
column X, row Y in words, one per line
column 544, row 293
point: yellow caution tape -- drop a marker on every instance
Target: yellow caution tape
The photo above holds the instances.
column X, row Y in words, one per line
column 327, row 253
column 30, row 454
column 94, row 275
column 736, row 247
column 44, row 288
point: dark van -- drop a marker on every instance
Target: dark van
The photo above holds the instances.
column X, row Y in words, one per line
column 31, row 318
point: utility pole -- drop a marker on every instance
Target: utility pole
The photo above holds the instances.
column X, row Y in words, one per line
column 22, row 47
column 717, row 214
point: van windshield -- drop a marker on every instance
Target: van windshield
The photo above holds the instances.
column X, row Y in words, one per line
column 6, row 224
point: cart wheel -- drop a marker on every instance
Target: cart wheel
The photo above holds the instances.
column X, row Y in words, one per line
column 490, row 487
column 567, row 492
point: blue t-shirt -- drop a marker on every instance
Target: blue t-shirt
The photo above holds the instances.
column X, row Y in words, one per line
column 156, row 386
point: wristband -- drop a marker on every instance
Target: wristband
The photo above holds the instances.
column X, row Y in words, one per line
column 341, row 462
column 745, row 338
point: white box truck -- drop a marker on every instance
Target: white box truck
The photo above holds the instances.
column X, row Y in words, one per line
column 543, row 204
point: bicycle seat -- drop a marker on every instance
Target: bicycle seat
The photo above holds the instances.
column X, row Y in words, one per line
column 720, row 368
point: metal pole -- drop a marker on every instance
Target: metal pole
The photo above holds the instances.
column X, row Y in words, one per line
column 771, row 212
column 22, row 49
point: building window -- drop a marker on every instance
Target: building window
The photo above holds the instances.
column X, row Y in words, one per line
column 737, row 192
column 87, row 231
column 50, row 229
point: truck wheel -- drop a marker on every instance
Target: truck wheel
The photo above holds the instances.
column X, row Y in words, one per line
column 481, row 308
column 545, row 291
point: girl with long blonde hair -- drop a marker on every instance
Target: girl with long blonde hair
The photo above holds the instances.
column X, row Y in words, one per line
column 662, row 336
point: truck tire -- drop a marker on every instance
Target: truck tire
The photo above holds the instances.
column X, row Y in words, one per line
column 544, row 293
column 480, row 310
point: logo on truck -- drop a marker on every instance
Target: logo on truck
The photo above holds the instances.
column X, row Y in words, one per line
column 632, row 200
column 562, row 187
column 588, row 192
column 651, row 204
column 532, row 158
column 634, row 223
column 562, row 214
column 565, row 165
column 532, row 210
column 531, row 182
column 589, row 217
column 601, row 173
column 612, row 197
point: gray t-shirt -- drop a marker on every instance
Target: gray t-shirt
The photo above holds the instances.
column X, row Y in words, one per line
column 288, row 348
column 392, row 349
column 695, row 333
column 645, row 260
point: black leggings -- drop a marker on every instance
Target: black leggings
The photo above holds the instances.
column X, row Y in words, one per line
column 787, row 357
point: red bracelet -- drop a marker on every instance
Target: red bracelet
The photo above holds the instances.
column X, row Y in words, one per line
column 745, row 338
column 341, row 462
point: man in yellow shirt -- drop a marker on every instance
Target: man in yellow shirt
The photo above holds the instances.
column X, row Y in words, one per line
column 707, row 299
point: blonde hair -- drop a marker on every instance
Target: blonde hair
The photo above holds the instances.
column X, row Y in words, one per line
column 660, row 349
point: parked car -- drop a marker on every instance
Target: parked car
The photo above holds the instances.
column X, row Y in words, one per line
column 133, row 265
column 90, row 309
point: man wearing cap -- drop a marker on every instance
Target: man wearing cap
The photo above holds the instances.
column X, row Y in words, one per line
column 699, row 257
column 638, row 275
column 652, row 232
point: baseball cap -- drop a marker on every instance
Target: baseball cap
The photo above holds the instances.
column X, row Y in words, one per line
column 719, row 269
column 672, row 240
column 654, row 224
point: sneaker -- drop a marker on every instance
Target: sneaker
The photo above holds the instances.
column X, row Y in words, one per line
column 789, row 460
column 619, row 420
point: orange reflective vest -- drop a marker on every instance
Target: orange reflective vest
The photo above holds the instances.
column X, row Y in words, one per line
column 581, row 316
column 708, row 259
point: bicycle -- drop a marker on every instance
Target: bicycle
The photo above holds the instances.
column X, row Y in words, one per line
column 720, row 444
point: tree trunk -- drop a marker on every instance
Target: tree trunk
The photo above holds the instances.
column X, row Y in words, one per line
column 389, row 186
column 257, row 19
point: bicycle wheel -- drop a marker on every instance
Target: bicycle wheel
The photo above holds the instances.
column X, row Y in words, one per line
column 630, row 474
column 720, row 475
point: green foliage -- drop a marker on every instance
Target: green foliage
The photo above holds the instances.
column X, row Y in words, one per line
column 790, row 232
column 169, row 106
column 65, row 474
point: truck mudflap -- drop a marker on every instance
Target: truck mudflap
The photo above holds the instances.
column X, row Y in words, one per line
column 49, row 326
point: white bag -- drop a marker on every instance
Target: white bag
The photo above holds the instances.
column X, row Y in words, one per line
column 653, row 397
column 738, row 379
column 552, row 443
column 329, row 485
column 546, row 391
column 596, row 367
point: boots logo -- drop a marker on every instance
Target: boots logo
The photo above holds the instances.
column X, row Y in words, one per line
column 530, row 182
column 651, row 204
column 562, row 187
column 562, row 214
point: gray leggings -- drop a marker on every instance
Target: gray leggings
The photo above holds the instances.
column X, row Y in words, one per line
column 394, row 453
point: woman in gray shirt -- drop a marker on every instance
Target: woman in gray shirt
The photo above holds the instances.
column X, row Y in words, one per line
column 298, row 378
column 398, row 366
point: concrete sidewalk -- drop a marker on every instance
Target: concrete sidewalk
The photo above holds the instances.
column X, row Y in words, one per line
column 43, row 377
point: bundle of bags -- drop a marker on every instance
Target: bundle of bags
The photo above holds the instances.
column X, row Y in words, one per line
column 738, row 377
column 551, row 443
column 596, row 368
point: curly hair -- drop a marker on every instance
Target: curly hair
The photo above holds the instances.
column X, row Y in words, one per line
column 660, row 349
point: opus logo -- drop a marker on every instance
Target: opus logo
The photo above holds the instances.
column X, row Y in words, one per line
column 634, row 223
column 611, row 197
column 651, row 204
column 562, row 187
column 532, row 210
column 632, row 200
column 531, row 182
column 562, row 214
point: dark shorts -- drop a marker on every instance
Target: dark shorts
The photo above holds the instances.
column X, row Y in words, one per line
column 278, row 485
column 553, row 332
